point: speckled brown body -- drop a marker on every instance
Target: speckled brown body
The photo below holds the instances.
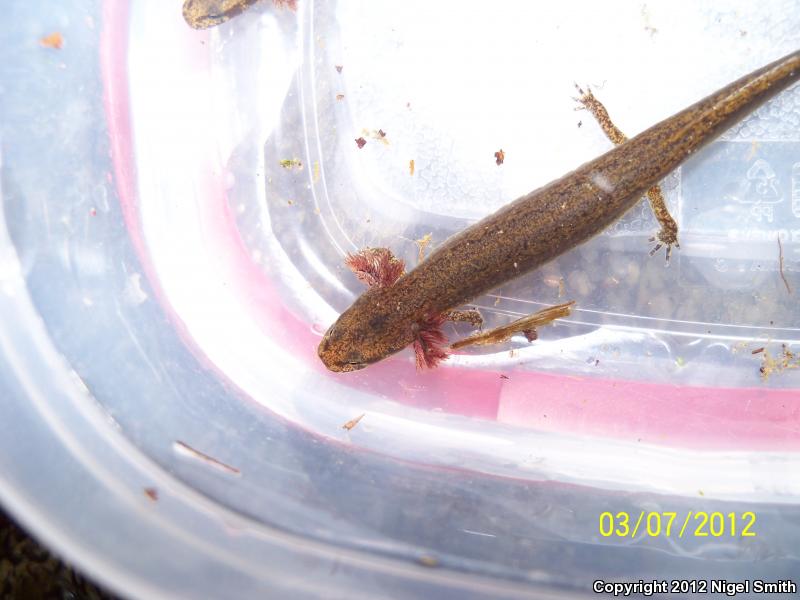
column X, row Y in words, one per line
column 202, row 14
column 540, row 225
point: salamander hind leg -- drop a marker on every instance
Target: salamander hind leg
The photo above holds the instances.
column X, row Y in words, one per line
column 667, row 236
column 589, row 102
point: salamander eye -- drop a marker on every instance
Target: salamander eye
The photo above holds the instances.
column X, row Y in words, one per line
column 377, row 322
column 353, row 361
column 354, row 358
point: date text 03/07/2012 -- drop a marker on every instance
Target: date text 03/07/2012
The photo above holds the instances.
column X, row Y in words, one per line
column 694, row 586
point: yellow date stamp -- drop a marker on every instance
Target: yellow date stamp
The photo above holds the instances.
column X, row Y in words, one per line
column 715, row 524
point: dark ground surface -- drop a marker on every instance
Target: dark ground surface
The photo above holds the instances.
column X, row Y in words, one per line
column 30, row 572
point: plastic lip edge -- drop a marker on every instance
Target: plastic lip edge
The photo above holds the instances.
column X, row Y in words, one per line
column 104, row 571
column 47, row 529
column 115, row 578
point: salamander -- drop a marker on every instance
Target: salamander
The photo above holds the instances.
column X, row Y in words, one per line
column 541, row 225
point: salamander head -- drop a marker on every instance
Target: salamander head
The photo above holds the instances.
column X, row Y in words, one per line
column 365, row 333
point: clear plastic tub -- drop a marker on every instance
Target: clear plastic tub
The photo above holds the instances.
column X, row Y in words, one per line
column 165, row 279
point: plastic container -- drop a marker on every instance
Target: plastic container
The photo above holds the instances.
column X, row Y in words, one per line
column 165, row 279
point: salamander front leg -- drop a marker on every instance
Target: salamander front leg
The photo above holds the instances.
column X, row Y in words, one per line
column 526, row 325
column 470, row 315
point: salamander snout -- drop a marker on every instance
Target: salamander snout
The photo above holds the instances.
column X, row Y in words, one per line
column 366, row 332
column 337, row 354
